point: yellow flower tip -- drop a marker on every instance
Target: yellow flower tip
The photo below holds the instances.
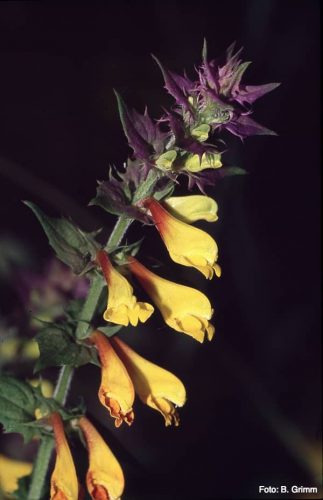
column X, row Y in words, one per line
column 166, row 408
column 183, row 308
column 217, row 270
column 99, row 493
column 11, row 471
column 155, row 386
column 122, row 307
column 116, row 391
column 123, row 314
column 187, row 245
column 115, row 410
column 58, row 495
column 192, row 208
column 64, row 483
column 197, row 328
column 104, row 479
column 195, row 164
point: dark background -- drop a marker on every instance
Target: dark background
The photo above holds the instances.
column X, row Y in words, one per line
column 253, row 410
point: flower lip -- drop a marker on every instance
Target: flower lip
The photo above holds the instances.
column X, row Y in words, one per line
column 155, row 386
column 116, row 390
column 183, row 308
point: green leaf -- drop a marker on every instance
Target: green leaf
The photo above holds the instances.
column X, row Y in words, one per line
column 72, row 246
column 109, row 331
column 229, row 171
column 74, row 309
column 57, row 348
column 164, row 191
column 18, row 403
column 17, row 406
column 120, row 254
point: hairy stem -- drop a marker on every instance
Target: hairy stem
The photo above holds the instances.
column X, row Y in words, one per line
column 66, row 373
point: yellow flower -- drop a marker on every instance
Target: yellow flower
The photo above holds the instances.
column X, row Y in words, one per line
column 166, row 160
column 156, row 387
column 122, row 306
column 195, row 164
column 201, row 133
column 104, row 478
column 63, row 484
column 183, row 308
column 46, row 386
column 30, row 350
column 192, row 208
column 187, row 245
column 10, row 471
column 116, row 391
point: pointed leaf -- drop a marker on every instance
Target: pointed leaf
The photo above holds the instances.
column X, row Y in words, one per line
column 136, row 142
column 72, row 246
column 173, row 88
column 17, row 406
column 57, row 348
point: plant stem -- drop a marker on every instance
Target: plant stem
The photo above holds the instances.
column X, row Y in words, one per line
column 63, row 384
column 66, row 373
column 90, row 306
column 40, row 468
column 118, row 232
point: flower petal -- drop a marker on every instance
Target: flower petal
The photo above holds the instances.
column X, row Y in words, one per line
column 104, row 478
column 64, row 483
column 122, row 306
column 155, row 386
column 183, row 308
column 187, row 245
column 11, row 471
column 116, row 391
column 192, row 208
column 194, row 163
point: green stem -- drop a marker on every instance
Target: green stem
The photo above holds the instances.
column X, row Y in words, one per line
column 63, row 384
column 89, row 307
column 118, row 232
column 66, row 373
column 40, row 468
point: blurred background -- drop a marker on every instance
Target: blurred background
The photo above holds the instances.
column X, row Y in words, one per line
column 253, row 415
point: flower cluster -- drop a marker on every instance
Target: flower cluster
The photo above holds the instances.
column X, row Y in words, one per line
column 187, row 141
column 104, row 478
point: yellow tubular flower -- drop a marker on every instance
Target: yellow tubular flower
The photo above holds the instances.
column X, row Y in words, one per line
column 63, row 484
column 192, row 208
column 116, row 391
column 104, row 478
column 183, row 308
column 156, row 387
column 122, row 306
column 10, row 471
column 187, row 245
